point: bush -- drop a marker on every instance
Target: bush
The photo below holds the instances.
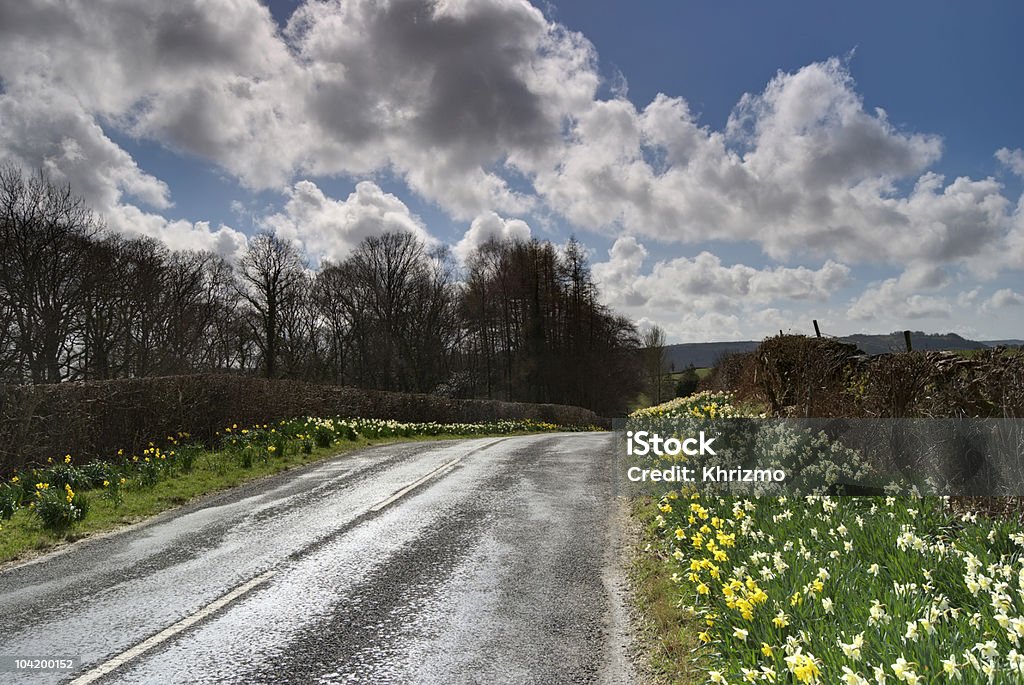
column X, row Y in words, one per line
column 736, row 373
column 804, row 376
column 687, row 383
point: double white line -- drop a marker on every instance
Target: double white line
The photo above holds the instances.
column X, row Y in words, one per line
column 222, row 601
column 167, row 633
column 440, row 470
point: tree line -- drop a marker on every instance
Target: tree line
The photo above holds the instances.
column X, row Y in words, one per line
column 520, row 321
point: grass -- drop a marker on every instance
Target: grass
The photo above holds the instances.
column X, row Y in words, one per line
column 23, row 536
column 668, row 636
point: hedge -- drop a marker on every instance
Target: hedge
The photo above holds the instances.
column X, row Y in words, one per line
column 96, row 418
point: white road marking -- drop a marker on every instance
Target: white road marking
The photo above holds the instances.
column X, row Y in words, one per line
column 168, row 633
column 415, row 484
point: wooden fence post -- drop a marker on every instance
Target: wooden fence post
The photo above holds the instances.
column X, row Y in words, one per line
column 817, row 331
column 906, row 339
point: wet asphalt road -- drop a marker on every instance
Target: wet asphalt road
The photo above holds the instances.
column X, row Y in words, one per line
column 502, row 567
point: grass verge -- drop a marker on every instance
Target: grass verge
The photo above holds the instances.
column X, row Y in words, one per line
column 667, row 634
column 23, row 536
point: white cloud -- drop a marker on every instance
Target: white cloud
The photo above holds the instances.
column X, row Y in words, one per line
column 802, row 169
column 489, row 110
column 45, row 128
column 178, row 235
column 1012, row 159
column 691, row 283
column 900, row 298
column 704, row 292
column 490, row 226
column 328, row 229
column 1003, row 298
column 619, row 275
column 462, row 98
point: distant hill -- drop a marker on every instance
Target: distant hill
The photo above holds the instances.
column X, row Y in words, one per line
column 893, row 342
column 1004, row 343
column 703, row 355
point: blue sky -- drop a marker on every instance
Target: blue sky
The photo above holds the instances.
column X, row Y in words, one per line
column 725, row 163
column 948, row 68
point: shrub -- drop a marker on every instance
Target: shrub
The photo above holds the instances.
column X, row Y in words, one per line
column 95, row 418
column 892, row 385
column 804, row 376
column 735, row 372
column 687, row 383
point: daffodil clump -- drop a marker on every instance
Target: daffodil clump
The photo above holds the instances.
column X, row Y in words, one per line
column 58, row 508
column 706, row 404
column 309, row 432
column 847, row 590
column 54, row 491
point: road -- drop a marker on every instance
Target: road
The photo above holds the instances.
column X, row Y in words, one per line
column 492, row 560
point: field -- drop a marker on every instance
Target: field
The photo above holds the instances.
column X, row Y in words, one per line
column 823, row 589
column 701, row 373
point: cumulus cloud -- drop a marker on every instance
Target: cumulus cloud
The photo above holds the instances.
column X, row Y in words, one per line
column 489, row 106
column 1012, row 159
column 901, row 298
column 177, row 235
column 619, row 275
column 488, row 109
column 1003, row 298
column 705, row 292
column 486, row 227
column 803, row 168
column 44, row 128
column 687, row 282
column 328, row 229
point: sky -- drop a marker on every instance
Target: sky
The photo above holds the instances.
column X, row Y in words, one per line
column 733, row 168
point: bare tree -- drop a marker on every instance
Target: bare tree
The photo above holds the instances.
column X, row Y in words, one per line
column 395, row 304
column 328, row 287
column 653, row 342
column 525, row 322
column 194, row 293
column 269, row 273
column 108, row 289
column 45, row 237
